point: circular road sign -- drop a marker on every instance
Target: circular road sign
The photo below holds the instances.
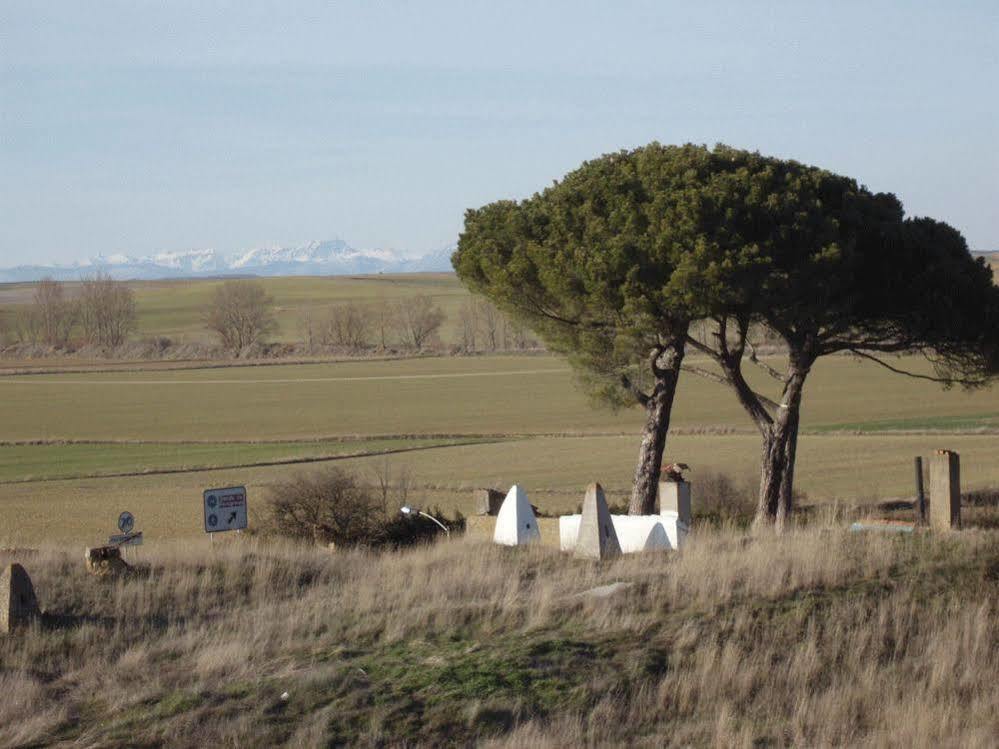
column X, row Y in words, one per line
column 126, row 522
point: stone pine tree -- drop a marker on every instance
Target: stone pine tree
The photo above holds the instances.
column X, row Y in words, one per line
column 835, row 268
column 611, row 265
column 588, row 264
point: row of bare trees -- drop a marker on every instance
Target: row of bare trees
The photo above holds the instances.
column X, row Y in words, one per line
column 413, row 322
column 485, row 328
column 242, row 315
column 103, row 310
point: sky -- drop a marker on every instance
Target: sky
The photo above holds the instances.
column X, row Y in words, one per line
column 138, row 127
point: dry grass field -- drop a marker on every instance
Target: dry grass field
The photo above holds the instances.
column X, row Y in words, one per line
column 819, row 638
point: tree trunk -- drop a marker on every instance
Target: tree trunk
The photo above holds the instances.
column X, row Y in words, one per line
column 785, row 497
column 780, row 443
column 771, row 471
column 659, row 407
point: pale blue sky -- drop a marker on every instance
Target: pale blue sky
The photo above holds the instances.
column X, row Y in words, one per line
column 144, row 126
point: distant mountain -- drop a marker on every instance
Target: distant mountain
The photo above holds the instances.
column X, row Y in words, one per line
column 327, row 258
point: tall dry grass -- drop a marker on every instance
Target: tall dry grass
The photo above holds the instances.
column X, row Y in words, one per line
column 820, row 637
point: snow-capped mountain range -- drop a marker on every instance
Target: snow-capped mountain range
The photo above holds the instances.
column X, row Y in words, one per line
column 327, row 258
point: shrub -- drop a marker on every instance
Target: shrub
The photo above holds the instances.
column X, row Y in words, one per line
column 401, row 531
column 324, row 507
column 717, row 498
column 331, row 506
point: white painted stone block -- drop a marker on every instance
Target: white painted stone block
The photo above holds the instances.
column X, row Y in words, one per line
column 515, row 521
column 634, row 532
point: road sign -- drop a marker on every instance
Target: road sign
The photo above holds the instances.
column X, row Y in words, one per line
column 225, row 509
column 126, row 539
column 126, row 522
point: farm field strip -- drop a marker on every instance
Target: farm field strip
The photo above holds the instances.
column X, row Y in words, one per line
column 285, row 381
column 34, row 462
column 459, row 395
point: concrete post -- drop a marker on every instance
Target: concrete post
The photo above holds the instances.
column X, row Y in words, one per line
column 675, row 496
column 487, row 501
column 945, row 490
column 597, row 537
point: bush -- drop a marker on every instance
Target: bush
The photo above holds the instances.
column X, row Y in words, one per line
column 324, row 507
column 716, row 498
column 401, row 531
column 331, row 506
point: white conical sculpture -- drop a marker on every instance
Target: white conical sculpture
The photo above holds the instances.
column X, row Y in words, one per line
column 515, row 521
column 597, row 538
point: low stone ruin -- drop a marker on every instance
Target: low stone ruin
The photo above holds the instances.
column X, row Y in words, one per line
column 18, row 604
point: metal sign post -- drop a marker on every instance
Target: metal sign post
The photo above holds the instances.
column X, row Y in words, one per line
column 126, row 524
column 225, row 509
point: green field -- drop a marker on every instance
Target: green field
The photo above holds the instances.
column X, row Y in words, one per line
column 34, row 462
column 452, row 423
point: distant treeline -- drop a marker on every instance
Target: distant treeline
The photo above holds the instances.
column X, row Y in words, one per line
column 241, row 315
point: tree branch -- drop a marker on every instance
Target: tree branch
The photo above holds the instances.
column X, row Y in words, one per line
column 705, row 373
column 704, row 349
column 723, row 380
column 657, row 371
column 762, row 364
column 641, row 397
column 916, row 375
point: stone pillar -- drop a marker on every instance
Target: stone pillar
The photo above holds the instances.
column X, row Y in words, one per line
column 18, row 605
column 487, row 501
column 945, row 490
column 597, row 537
column 675, row 496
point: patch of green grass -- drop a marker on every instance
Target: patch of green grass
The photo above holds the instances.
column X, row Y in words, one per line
column 917, row 423
column 78, row 460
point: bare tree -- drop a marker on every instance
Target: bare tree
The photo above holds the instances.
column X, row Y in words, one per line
column 107, row 310
column 383, row 319
column 419, row 320
column 520, row 335
column 392, row 487
column 469, row 314
column 27, row 325
column 241, row 313
column 346, row 324
column 54, row 314
column 308, row 325
column 490, row 319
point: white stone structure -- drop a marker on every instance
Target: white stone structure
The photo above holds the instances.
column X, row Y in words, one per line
column 597, row 538
column 634, row 532
column 515, row 521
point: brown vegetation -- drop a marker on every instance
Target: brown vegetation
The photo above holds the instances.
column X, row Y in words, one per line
column 241, row 314
column 106, row 310
column 817, row 638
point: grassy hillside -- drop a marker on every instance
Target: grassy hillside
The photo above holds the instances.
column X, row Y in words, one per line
column 820, row 638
